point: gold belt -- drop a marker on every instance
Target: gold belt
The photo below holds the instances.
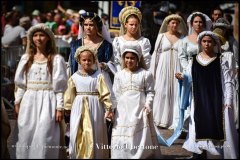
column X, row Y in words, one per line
column 87, row 93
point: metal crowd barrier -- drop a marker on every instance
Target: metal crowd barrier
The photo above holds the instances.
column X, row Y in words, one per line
column 10, row 57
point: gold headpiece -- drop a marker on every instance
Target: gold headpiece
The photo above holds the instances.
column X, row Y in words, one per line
column 127, row 11
column 220, row 33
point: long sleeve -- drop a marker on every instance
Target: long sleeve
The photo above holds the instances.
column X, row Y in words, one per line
column 116, row 53
column 182, row 54
column 227, row 75
column 149, row 89
column 69, row 94
column 20, row 79
column 104, row 93
column 59, row 79
column 146, row 48
column 236, row 53
column 116, row 87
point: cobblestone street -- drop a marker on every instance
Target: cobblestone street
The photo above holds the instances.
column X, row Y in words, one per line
column 174, row 152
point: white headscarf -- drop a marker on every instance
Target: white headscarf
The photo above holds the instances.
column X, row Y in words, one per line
column 213, row 36
column 208, row 22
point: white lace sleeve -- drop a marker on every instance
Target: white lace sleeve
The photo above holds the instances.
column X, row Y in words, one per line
column 227, row 77
column 116, row 53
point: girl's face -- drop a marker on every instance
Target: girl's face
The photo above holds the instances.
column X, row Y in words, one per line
column 40, row 39
column 131, row 61
column 197, row 24
column 207, row 44
column 86, row 60
column 89, row 27
column 132, row 25
column 173, row 25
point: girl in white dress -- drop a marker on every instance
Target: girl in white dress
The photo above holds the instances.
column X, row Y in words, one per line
column 133, row 134
column 84, row 99
column 41, row 80
column 130, row 18
column 165, row 63
column 211, row 126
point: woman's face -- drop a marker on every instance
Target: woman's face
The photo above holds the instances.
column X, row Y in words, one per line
column 207, row 44
column 131, row 61
column 86, row 60
column 132, row 25
column 197, row 24
column 40, row 39
column 89, row 27
column 173, row 25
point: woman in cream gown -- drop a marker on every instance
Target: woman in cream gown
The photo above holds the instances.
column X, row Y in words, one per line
column 164, row 64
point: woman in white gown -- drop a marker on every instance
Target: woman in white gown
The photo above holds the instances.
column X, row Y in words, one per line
column 130, row 18
column 133, row 134
column 211, row 126
column 221, row 27
column 41, row 80
column 165, row 63
column 84, row 100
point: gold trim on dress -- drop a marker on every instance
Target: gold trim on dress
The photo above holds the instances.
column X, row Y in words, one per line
column 37, row 89
column 38, row 82
column 87, row 93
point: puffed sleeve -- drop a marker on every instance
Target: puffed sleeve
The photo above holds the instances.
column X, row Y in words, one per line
column 59, row 80
column 104, row 93
column 146, row 48
column 149, row 88
column 182, row 54
column 227, row 77
column 20, row 79
column 116, row 53
column 69, row 94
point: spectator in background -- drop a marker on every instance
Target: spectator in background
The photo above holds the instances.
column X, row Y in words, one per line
column 217, row 12
column 105, row 18
column 17, row 35
column 36, row 17
column 75, row 26
column 49, row 20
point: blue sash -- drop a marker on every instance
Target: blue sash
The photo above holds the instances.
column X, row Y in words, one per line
column 184, row 100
